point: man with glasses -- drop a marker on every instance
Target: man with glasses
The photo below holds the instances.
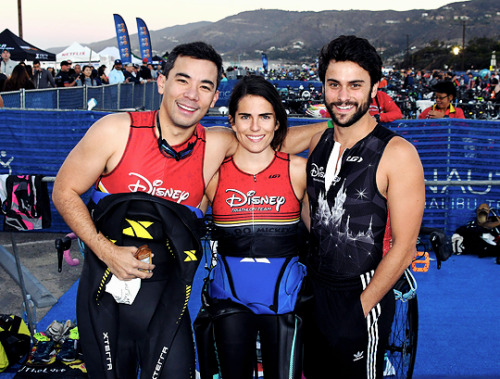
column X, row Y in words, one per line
column 445, row 92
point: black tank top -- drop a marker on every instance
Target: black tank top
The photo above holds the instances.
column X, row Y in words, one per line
column 348, row 221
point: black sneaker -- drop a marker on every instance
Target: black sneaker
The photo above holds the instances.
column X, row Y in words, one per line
column 69, row 349
column 44, row 351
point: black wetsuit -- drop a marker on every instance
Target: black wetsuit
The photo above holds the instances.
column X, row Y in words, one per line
column 348, row 222
column 154, row 333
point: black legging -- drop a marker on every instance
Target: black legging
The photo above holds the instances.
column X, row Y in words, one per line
column 280, row 341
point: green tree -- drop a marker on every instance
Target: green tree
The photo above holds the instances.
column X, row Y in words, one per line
column 478, row 52
column 438, row 55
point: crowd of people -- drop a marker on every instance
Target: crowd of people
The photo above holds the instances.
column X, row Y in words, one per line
column 404, row 86
column 16, row 75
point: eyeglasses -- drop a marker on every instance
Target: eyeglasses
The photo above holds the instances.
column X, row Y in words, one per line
column 168, row 151
column 442, row 97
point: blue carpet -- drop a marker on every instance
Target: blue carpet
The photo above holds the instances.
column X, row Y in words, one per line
column 459, row 308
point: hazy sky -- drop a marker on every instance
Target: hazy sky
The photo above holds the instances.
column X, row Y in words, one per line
column 57, row 23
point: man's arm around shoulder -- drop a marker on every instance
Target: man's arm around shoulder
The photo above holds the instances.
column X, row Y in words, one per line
column 299, row 137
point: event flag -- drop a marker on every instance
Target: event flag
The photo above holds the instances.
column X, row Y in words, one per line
column 264, row 62
column 144, row 39
column 123, row 39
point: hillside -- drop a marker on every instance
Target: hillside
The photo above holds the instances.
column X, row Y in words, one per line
column 296, row 37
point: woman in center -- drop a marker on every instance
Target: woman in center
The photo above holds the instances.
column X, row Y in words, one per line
column 256, row 205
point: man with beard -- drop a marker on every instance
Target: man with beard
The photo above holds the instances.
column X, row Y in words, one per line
column 170, row 157
column 359, row 172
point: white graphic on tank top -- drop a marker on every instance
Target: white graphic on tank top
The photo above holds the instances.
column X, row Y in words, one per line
column 331, row 219
column 156, row 188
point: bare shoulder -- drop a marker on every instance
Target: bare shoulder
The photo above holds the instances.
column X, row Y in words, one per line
column 112, row 124
column 298, row 175
column 401, row 151
column 220, row 138
column 298, row 137
column 314, row 141
column 103, row 144
column 297, row 162
column 221, row 143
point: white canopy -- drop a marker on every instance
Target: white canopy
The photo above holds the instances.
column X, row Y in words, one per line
column 108, row 56
column 78, row 53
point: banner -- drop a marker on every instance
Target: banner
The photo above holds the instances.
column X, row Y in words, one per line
column 123, row 39
column 144, row 40
column 264, row 62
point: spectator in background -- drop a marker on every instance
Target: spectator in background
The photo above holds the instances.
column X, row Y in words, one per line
column 77, row 70
column 6, row 64
column 154, row 73
column 3, row 78
column 145, row 71
column 101, row 73
column 41, row 77
column 19, row 79
column 116, row 75
column 382, row 83
column 85, row 78
column 445, row 92
column 495, row 90
column 64, row 78
column 384, row 109
column 95, row 76
column 409, row 80
column 131, row 75
column 52, row 71
column 29, row 70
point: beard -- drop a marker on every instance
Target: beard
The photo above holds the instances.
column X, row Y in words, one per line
column 361, row 109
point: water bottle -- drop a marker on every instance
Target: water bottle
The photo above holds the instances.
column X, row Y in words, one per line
column 31, row 310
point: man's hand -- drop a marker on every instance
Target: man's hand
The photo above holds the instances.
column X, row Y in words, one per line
column 436, row 114
column 122, row 263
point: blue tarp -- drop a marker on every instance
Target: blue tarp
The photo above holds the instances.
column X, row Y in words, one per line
column 37, row 142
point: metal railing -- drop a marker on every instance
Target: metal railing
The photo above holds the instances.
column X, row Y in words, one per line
column 107, row 97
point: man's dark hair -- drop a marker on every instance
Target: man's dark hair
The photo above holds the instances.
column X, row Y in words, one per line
column 446, row 87
column 258, row 86
column 196, row 50
column 352, row 49
column 36, row 61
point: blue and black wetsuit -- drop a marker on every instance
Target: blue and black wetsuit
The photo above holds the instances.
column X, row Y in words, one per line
column 254, row 286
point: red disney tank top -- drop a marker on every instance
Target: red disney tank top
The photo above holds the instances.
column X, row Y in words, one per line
column 144, row 168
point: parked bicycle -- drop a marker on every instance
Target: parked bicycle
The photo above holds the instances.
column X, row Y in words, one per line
column 402, row 350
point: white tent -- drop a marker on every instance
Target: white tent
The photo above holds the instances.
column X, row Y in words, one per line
column 108, row 56
column 78, row 53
